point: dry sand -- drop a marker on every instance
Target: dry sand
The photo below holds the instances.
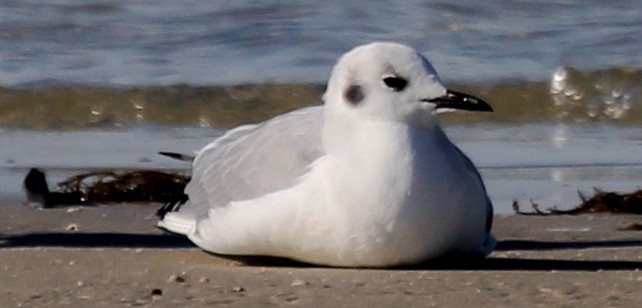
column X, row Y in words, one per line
column 113, row 256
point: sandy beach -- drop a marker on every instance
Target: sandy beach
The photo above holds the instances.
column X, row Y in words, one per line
column 111, row 256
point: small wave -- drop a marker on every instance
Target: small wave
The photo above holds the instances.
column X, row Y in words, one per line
column 609, row 96
column 604, row 95
column 80, row 107
column 571, row 96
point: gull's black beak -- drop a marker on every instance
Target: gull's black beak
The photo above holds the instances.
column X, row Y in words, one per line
column 461, row 101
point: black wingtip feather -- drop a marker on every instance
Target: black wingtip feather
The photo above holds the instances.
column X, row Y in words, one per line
column 178, row 156
column 171, row 206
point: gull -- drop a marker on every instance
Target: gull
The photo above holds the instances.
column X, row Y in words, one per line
column 369, row 179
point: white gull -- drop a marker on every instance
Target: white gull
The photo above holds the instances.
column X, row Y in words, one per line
column 367, row 180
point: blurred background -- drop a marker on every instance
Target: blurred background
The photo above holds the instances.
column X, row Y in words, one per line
column 107, row 84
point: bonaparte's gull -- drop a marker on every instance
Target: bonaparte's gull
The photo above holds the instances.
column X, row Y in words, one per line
column 367, row 180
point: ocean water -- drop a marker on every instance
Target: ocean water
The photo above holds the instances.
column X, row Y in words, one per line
column 152, row 42
column 107, row 84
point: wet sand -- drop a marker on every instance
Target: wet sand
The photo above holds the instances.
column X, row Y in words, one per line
column 113, row 256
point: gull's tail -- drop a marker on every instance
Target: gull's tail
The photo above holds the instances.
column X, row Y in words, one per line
column 174, row 221
column 170, row 219
column 178, row 222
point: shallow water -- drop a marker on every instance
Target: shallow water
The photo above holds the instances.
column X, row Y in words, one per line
column 61, row 154
column 544, row 163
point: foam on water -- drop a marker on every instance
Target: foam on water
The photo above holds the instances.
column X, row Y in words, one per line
column 570, row 96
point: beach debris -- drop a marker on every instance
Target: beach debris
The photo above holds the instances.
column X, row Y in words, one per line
column 175, row 278
column 298, row 283
column 156, row 293
column 143, row 186
column 238, row 289
column 203, row 279
column 601, row 202
column 632, row 227
column 71, row 227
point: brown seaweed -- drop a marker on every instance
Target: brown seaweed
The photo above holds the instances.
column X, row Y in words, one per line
column 631, row 227
column 601, row 202
column 142, row 186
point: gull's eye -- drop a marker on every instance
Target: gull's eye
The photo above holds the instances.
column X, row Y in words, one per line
column 395, row 83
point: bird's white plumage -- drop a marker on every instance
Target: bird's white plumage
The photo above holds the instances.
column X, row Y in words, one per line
column 369, row 179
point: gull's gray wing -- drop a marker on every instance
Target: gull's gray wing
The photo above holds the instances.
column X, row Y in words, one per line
column 489, row 204
column 490, row 243
column 253, row 160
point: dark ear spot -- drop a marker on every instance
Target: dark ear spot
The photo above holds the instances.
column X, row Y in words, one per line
column 354, row 94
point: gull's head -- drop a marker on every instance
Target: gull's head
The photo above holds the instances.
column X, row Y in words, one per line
column 392, row 82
